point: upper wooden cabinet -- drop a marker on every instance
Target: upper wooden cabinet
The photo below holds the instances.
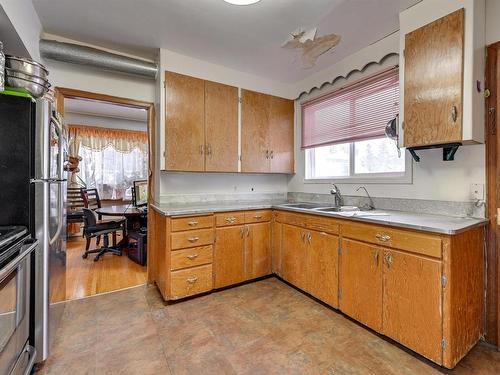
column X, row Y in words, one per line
column 433, row 82
column 201, row 125
column 441, row 73
column 184, row 123
column 202, row 128
column 221, row 127
column 266, row 133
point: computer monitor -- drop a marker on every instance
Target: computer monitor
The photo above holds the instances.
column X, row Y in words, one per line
column 140, row 193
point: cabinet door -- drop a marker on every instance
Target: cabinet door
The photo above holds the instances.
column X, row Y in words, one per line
column 322, row 266
column 254, row 132
column 229, row 256
column 412, row 302
column 277, row 229
column 184, row 123
column 258, row 250
column 221, row 127
column 293, row 264
column 433, row 84
column 281, row 124
column 361, row 283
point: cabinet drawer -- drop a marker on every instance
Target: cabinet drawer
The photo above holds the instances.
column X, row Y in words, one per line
column 190, row 223
column 191, row 281
column 229, row 218
column 257, row 216
column 313, row 222
column 186, row 258
column 192, row 238
column 420, row 243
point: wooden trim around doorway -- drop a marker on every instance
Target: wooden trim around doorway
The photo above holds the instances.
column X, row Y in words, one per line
column 62, row 93
column 492, row 140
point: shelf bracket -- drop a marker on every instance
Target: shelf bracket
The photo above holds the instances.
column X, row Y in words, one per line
column 449, row 152
column 414, row 155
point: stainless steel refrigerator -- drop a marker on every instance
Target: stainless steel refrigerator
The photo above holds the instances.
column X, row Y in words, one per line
column 50, row 180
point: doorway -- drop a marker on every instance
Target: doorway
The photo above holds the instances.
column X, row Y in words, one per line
column 111, row 149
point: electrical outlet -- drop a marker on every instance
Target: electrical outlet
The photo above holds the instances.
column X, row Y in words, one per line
column 477, row 192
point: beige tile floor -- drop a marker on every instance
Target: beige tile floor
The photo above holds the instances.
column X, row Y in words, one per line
column 265, row 327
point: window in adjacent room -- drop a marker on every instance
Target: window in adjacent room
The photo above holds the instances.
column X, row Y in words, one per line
column 343, row 132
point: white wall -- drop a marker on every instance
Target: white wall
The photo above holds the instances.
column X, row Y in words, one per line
column 214, row 183
column 492, row 21
column 25, row 20
column 433, row 178
column 104, row 122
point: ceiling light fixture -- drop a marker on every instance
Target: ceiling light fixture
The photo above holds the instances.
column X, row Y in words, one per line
column 242, row 2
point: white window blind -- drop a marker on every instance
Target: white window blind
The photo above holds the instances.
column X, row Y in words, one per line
column 355, row 112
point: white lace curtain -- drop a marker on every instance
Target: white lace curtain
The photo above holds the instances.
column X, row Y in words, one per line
column 110, row 159
column 97, row 139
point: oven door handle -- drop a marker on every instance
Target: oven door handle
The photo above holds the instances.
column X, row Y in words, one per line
column 12, row 265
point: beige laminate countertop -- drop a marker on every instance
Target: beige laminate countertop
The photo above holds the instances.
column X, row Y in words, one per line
column 417, row 221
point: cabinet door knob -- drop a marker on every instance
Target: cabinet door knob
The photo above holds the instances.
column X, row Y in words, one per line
column 242, row 231
column 267, row 154
column 303, row 236
column 209, row 150
column 248, row 231
column 193, row 223
column 309, row 237
column 193, row 239
column 454, row 113
column 272, row 154
column 375, row 256
column 192, row 257
column 192, row 280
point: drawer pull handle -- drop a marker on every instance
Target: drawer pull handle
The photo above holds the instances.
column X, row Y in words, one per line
column 193, row 223
column 388, row 260
column 257, row 217
column 192, row 280
column 382, row 237
column 230, row 220
column 192, row 257
column 193, row 239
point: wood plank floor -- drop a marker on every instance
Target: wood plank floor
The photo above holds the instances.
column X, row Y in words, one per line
column 265, row 327
column 85, row 278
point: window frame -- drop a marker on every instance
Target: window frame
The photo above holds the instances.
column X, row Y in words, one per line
column 358, row 178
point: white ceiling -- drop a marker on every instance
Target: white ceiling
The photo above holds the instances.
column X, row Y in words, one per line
column 88, row 107
column 245, row 38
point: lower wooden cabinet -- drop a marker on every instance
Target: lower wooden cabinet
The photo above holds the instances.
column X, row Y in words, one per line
column 412, row 302
column 293, row 255
column 310, row 262
column 229, row 259
column 258, row 250
column 361, row 283
column 242, row 252
column 322, row 266
column 191, row 281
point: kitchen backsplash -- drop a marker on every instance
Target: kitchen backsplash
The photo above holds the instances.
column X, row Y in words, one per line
column 223, row 198
column 448, row 208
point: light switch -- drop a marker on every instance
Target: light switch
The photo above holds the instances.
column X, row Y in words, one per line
column 477, row 192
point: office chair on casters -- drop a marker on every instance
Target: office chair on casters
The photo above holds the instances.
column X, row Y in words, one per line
column 93, row 229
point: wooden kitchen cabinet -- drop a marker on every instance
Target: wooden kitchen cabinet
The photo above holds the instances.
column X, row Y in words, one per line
column 266, row 133
column 433, row 90
column 221, row 127
column 184, row 123
column 293, row 256
column 361, row 283
column 440, row 68
column 412, row 307
column 201, row 125
column 276, row 246
column 258, row 250
column 281, row 135
column 242, row 252
column 229, row 257
column 322, row 266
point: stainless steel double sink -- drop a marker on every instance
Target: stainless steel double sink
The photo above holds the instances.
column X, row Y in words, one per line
column 321, row 207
